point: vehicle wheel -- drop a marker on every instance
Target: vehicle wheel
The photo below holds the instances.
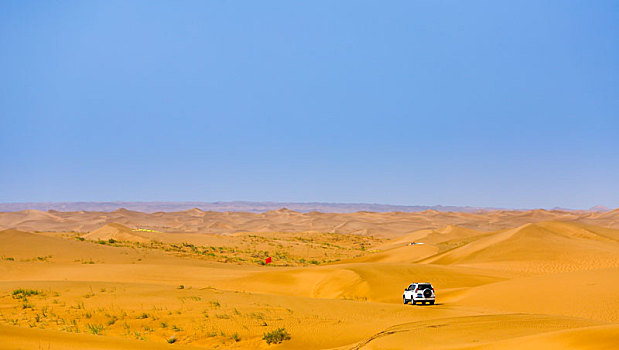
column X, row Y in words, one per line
column 432, row 303
column 405, row 301
column 413, row 301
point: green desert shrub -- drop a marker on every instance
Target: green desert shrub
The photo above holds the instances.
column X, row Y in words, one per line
column 94, row 328
column 277, row 336
column 22, row 293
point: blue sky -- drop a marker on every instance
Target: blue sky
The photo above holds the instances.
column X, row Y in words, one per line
column 482, row 103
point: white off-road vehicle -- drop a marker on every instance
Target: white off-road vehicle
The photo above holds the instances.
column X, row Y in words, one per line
column 419, row 292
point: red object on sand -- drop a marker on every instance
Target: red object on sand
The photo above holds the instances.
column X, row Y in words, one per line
column 268, row 260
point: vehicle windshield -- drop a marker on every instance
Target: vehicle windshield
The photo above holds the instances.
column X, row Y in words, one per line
column 424, row 286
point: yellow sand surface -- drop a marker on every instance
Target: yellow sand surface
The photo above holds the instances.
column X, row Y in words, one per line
column 503, row 280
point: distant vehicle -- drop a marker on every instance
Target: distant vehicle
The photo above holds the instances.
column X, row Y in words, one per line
column 414, row 243
column 419, row 292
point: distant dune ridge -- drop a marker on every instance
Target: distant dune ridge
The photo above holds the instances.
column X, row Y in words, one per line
column 248, row 206
column 245, row 206
column 387, row 224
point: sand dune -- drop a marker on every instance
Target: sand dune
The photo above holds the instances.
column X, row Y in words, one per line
column 378, row 224
column 503, row 280
column 462, row 331
column 362, row 281
column 540, row 247
column 583, row 294
column 25, row 247
column 400, row 254
column 116, row 232
column 600, row 337
column 33, row 338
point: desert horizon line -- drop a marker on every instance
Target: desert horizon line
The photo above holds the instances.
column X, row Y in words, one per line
column 260, row 206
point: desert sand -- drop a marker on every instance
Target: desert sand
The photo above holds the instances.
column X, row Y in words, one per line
column 129, row 280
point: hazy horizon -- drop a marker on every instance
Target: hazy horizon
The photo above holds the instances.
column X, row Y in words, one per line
column 256, row 206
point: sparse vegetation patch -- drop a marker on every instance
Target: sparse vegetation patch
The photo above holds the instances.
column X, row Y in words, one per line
column 94, row 328
column 276, row 336
column 23, row 293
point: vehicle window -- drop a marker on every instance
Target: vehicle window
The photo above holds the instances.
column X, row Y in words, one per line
column 411, row 287
column 424, row 286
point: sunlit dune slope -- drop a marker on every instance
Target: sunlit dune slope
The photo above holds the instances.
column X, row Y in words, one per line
column 585, row 294
column 595, row 337
column 402, row 254
column 540, row 247
column 434, row 236
column 460, row 332
column 444, row 238
column 362, row 281
column 28, row 246
column 35, row 257
column 413, row 247
column 116, row 232
column 12, row 338
column 30, row 218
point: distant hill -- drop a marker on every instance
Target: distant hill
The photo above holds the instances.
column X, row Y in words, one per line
column 252, row 207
